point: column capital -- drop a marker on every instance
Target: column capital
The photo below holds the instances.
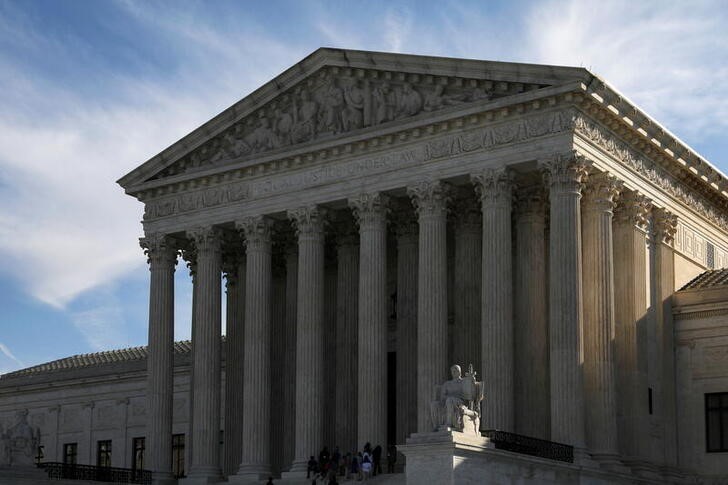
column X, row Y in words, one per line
column 494, row 186
column 429, row 197
column 159, row 249
column 206, row 239
column 664, row 225
column 633, row 208
column 370, row 208
column 308, row 220
column 531, row 201
column 257, row 231
column 565, row 171
column 600, row 192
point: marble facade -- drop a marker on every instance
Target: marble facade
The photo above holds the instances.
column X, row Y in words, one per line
column 518, row 217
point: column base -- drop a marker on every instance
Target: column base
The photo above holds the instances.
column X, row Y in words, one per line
column 298, row 470
column 611, row 462
column 251, row 473
column 159, row 478
column 202, row 475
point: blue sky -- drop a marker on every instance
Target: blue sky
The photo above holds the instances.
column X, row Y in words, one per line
column 89, row 89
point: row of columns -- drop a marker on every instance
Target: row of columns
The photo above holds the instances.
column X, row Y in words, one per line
column 569, row 346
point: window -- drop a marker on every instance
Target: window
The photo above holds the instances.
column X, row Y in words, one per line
column 649, row 400
column 39, row 455
column 137, row 459
column 716, row 422
column 70, row 453
column 103, row 453
column 178, row 455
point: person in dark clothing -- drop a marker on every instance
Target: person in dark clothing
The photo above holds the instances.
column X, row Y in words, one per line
column 270, row 481
column 391, row 458
column 324, row 457
column 312, row 467
column 377, row 459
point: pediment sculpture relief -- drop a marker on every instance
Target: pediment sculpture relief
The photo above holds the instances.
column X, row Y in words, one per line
column 457, row 403
column 330, row 104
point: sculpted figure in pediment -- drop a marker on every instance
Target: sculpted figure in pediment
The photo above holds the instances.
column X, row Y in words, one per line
column 332, row 106
column 385, row 100
column 263, row 137
column 284, row 125
column 304, row 118
column 410, row 101
column 437, row 99
column 356, row 96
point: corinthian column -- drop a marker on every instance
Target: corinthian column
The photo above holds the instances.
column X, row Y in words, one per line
column 564, row 175
column 234, row 270
column 309, row 222
column 162, row 258
column 467, row 297
column 598, row 271
column 347, row 312
column 370, row 211
column 205, row 467
column 531, row 323
column 407, row 230
column 255, row 461
column 289, row 343
column 430, row 200
column 495, row 190
column 631, row 319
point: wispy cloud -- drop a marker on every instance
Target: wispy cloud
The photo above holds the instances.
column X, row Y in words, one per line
column 7, row 353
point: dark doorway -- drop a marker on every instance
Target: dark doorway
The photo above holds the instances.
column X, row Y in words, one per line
column 391, row 397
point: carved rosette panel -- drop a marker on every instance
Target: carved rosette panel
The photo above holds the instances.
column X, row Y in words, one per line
column 601, row 192
column 430, row 198
column 531, row 201
column 370, row 210
column 494, row 186
column 664, row 225
column 257, row 231
column 565, row 172
column 160, row 250
column 335, row 101
column 308, row 221
column 633, row 208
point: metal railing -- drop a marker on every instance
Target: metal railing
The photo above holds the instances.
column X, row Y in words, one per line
column 63, row 471
column 530, row 446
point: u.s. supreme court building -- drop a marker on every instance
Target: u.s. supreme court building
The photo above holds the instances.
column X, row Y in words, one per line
column 373, row 218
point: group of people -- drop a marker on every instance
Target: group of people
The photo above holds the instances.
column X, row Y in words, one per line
column 355, row 465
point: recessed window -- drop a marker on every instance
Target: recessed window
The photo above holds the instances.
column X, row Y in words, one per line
column 178, row 455
column 716, row 422
column 137, row 462
column 103, row 453
column 70, row 453
column 39, row 455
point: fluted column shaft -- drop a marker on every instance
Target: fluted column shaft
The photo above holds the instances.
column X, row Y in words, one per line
column 430, row 200
column 564, row 176
column 598, row 271
column 309, row 335
column 468, row 268
column 495, row 190
column 347, row 312
column 235, row 271
column 162, row 257
column 370, row 211
column 255, row 461
column 531, row 333
column 407, row 232
column 664, row 228
column 206, row 359
column 289, row 342
column 631, row 333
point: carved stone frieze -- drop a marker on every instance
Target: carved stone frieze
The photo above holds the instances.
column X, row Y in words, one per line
column 336, row 101
column 444, row 146
column 650, row 170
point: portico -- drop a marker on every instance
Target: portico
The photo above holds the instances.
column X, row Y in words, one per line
column 473, row 210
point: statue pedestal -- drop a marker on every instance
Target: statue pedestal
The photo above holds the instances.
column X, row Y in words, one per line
column 450, row 457
column 24, row 475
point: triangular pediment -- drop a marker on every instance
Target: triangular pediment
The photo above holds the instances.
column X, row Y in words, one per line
column 335, row 93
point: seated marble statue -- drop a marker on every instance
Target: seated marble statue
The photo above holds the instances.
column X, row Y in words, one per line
column 457, row 403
